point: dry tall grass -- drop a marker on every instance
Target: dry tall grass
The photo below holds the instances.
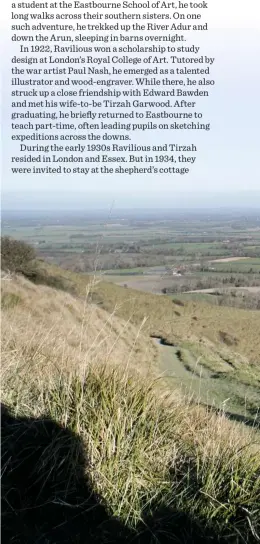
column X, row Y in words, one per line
column 167, row 470
column 51, row 328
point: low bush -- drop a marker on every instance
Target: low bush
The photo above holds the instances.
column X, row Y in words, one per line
column 16, row 256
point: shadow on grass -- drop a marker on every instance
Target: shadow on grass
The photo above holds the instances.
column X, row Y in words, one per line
column 250, row 420
column 253, row 421
column 47, row 497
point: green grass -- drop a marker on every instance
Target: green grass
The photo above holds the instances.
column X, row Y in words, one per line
column 144, row 461
column 244, row 265
column 182, row 367
column 126, row 271
column 10, row 300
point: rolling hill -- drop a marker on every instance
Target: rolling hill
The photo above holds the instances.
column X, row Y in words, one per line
column 98, row 443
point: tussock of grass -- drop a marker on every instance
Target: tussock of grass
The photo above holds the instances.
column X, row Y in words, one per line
column 144, row 453
column 94, row 451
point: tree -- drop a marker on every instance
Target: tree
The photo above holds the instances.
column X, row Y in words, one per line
column 16, row 256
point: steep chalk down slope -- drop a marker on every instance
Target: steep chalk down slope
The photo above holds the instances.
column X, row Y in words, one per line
column 90, row 436
column 192, row 320
column 45, row 323
column 222, row 337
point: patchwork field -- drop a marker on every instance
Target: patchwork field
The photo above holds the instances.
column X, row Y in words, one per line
column 123, row 239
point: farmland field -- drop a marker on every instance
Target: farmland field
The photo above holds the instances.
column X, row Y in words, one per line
column 155, row 251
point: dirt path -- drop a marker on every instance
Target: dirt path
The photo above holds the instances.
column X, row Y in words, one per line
column 225, row 290
column 230, row 259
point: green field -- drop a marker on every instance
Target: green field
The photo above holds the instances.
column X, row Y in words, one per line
column 244, row 266
column 135, row 242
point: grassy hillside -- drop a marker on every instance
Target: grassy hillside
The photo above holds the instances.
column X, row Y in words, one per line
column 44, row 323
column 221, row 344
column 95, row 448
column 165, row 316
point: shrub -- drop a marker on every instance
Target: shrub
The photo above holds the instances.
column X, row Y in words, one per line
column 41, row 277
column 16, row 256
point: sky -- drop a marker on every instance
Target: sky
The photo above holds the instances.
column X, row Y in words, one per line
column 226, row 171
